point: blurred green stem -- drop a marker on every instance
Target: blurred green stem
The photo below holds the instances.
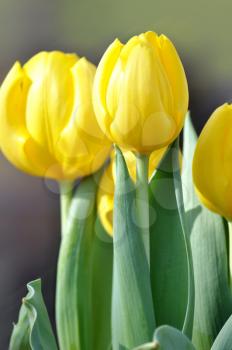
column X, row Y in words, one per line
column 66, row 188
column 142, row 200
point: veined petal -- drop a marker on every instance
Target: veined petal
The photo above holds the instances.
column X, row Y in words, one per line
column 51, row 96
column 101, row 81
column 38, row 129
column 177, row 78
column 41, row 161
column 13, row 133
column 117, row 76
column 114, row 89
column 14, row 92
column 143, row 82
column 144, row 102
column 127, row 48
column 130, row 131
column 79, row 154
column 150, row 37
column 83, row 113
column 138, row 107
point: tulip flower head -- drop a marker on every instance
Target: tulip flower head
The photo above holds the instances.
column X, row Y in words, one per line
column 48, row 126
column 140, row 93
column 212, row 163
column 107, row 184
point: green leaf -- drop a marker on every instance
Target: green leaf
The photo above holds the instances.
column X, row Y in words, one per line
column 224, row 338
column 171, row 259
column 102, row 264
column 132, row 311
column 21, row 332
column 84, row 276
column 169, row 338
column 213, row 303
column 33, row 330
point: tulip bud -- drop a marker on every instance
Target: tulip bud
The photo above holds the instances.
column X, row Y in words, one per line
column 105, row 197
column 140, row 93
column 48, row 126
column 212, row 163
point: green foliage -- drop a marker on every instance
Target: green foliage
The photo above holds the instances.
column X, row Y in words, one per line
column 133, row 320
column 33, row 330
column 169, row 338
column 109, row 296
column 224, row 338
column 171, row 260
column 102, row 270
column 84, row 278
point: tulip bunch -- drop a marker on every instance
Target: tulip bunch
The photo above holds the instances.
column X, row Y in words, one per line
column 142, row 263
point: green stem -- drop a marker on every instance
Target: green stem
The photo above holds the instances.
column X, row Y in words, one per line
column 73, row 286
column 142, row 200
column 230, row 252
column 65, row 200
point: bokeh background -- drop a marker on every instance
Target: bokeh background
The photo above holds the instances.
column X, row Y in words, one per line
column 29, row 207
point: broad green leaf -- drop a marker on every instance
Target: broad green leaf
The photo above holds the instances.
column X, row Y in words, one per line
column 84, row 276
column 171, row 260
column 21, row 332
column 224, row 338
column 213, row 304
column 133, row 320
column 102, row 265
column 33, row 330
column 169, row 338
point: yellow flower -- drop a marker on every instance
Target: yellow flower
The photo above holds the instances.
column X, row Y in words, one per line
column 140, row 93
column 106, row 187
column 47, row 122
column 212, row 163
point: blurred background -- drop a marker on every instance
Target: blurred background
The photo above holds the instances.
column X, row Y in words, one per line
column 29, row 207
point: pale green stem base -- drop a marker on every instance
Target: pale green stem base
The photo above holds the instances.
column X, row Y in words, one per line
column 230, row 252
column 142, row 200
column 65, row 200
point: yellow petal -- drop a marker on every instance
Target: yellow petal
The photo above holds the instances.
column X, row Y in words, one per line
column 101, row 81
column 212, row 164
column 83, row 113
column 177, row 79
column 13, row 133
column 82, row 147
column 141, row 93
column 154, row 160
column 105, row 199
column 144, row 103
column 42, row 163
column 145, row 83
column 51, row 96
column 15, row 138
column 130, row 132
column 105, row 210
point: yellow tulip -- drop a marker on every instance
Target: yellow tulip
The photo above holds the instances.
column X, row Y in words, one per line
column 212, row 163
column 140, row 93
column 107, row 184
column 47, row 122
